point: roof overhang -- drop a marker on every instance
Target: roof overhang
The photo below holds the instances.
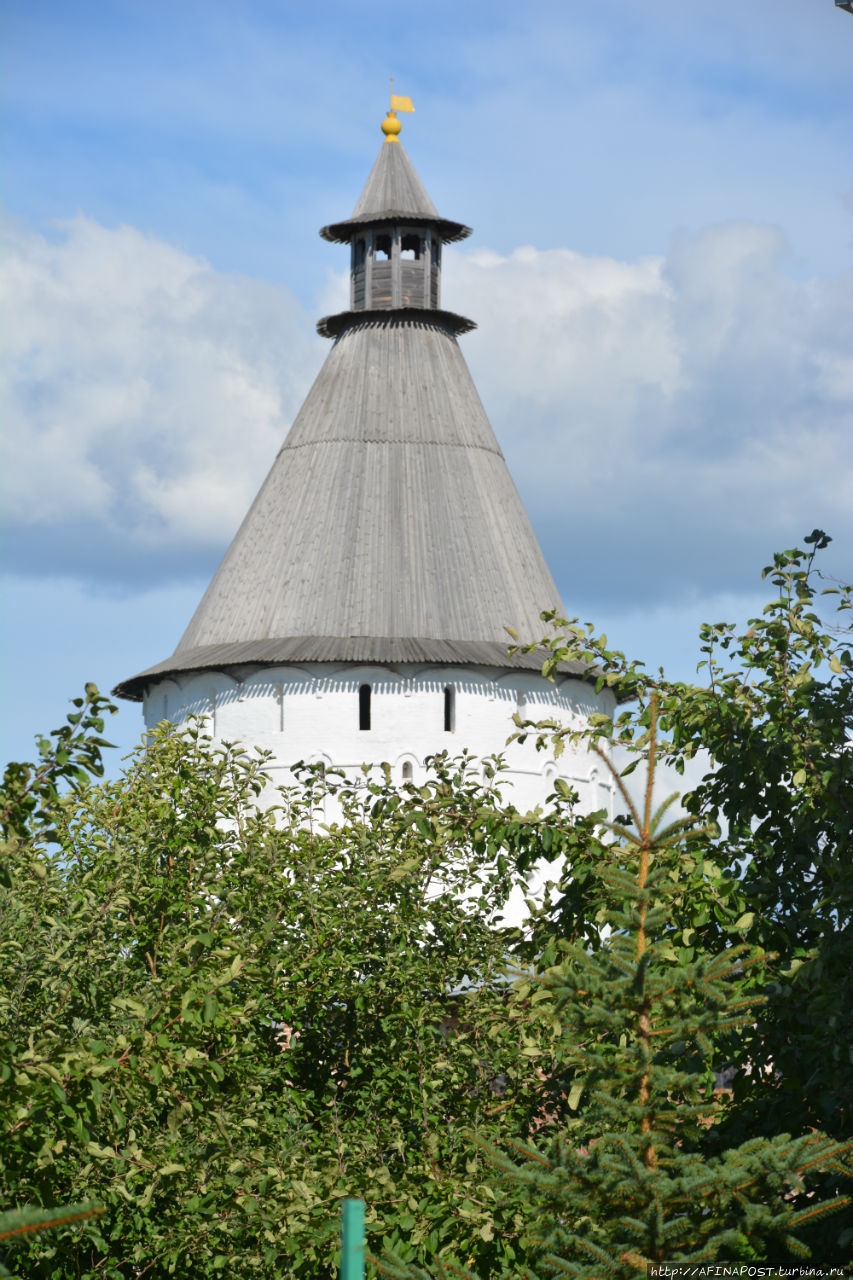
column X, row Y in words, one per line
column 343, row 232
column 331, row 326
column 355, row 649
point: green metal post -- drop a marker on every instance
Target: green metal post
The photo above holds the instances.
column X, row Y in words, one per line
column 352, row 1240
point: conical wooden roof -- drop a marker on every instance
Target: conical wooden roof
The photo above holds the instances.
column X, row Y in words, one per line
column 394, row 193
column 393, row 188
column 389, row 528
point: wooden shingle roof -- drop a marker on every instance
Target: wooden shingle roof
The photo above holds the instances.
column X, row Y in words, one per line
column 394, row 193
column 388, row 529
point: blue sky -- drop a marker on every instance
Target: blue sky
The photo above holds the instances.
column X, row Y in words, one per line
column 662, row 201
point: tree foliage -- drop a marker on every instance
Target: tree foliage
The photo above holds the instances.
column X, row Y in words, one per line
column 767, row 869
column 770, row 729
column 221, row 1015
column 773, row 722
column 633, row 1181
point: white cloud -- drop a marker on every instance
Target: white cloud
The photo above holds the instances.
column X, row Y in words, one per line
column 688, row 413
column 145, row 393
column 670, row 421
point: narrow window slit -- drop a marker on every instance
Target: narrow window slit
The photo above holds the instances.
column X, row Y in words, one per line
column 364, row 707
column 449, row 709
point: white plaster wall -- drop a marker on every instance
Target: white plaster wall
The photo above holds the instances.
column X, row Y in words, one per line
column 311, row 712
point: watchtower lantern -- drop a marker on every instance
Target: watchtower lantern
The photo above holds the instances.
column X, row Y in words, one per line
column 395, row 235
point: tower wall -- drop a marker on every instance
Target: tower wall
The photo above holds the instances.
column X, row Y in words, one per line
column 312, row 712
column 397, row 266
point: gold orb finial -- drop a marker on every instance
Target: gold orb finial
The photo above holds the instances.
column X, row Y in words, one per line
column 391, row 127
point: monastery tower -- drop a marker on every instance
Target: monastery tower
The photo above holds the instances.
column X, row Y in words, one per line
column 359, row 613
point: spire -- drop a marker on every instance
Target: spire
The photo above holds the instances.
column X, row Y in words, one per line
column 393, row 189
column 388, row 529
column 394, row 193
column 396, row 235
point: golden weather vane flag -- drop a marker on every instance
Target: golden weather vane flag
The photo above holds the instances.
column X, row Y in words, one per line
column 398, row 103
column 391, row 125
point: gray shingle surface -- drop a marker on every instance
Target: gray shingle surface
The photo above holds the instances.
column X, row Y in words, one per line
column 389, row 512
column 394, row 192
column 388, row 528
column 393, row 187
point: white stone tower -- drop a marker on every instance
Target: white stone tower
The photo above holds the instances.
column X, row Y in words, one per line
column 359, row 613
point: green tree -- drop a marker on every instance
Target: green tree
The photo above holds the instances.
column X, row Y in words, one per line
column 767, row 867
column 30, row 798
column 220, row 1017
column 773, row 721
column 630, row 1183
